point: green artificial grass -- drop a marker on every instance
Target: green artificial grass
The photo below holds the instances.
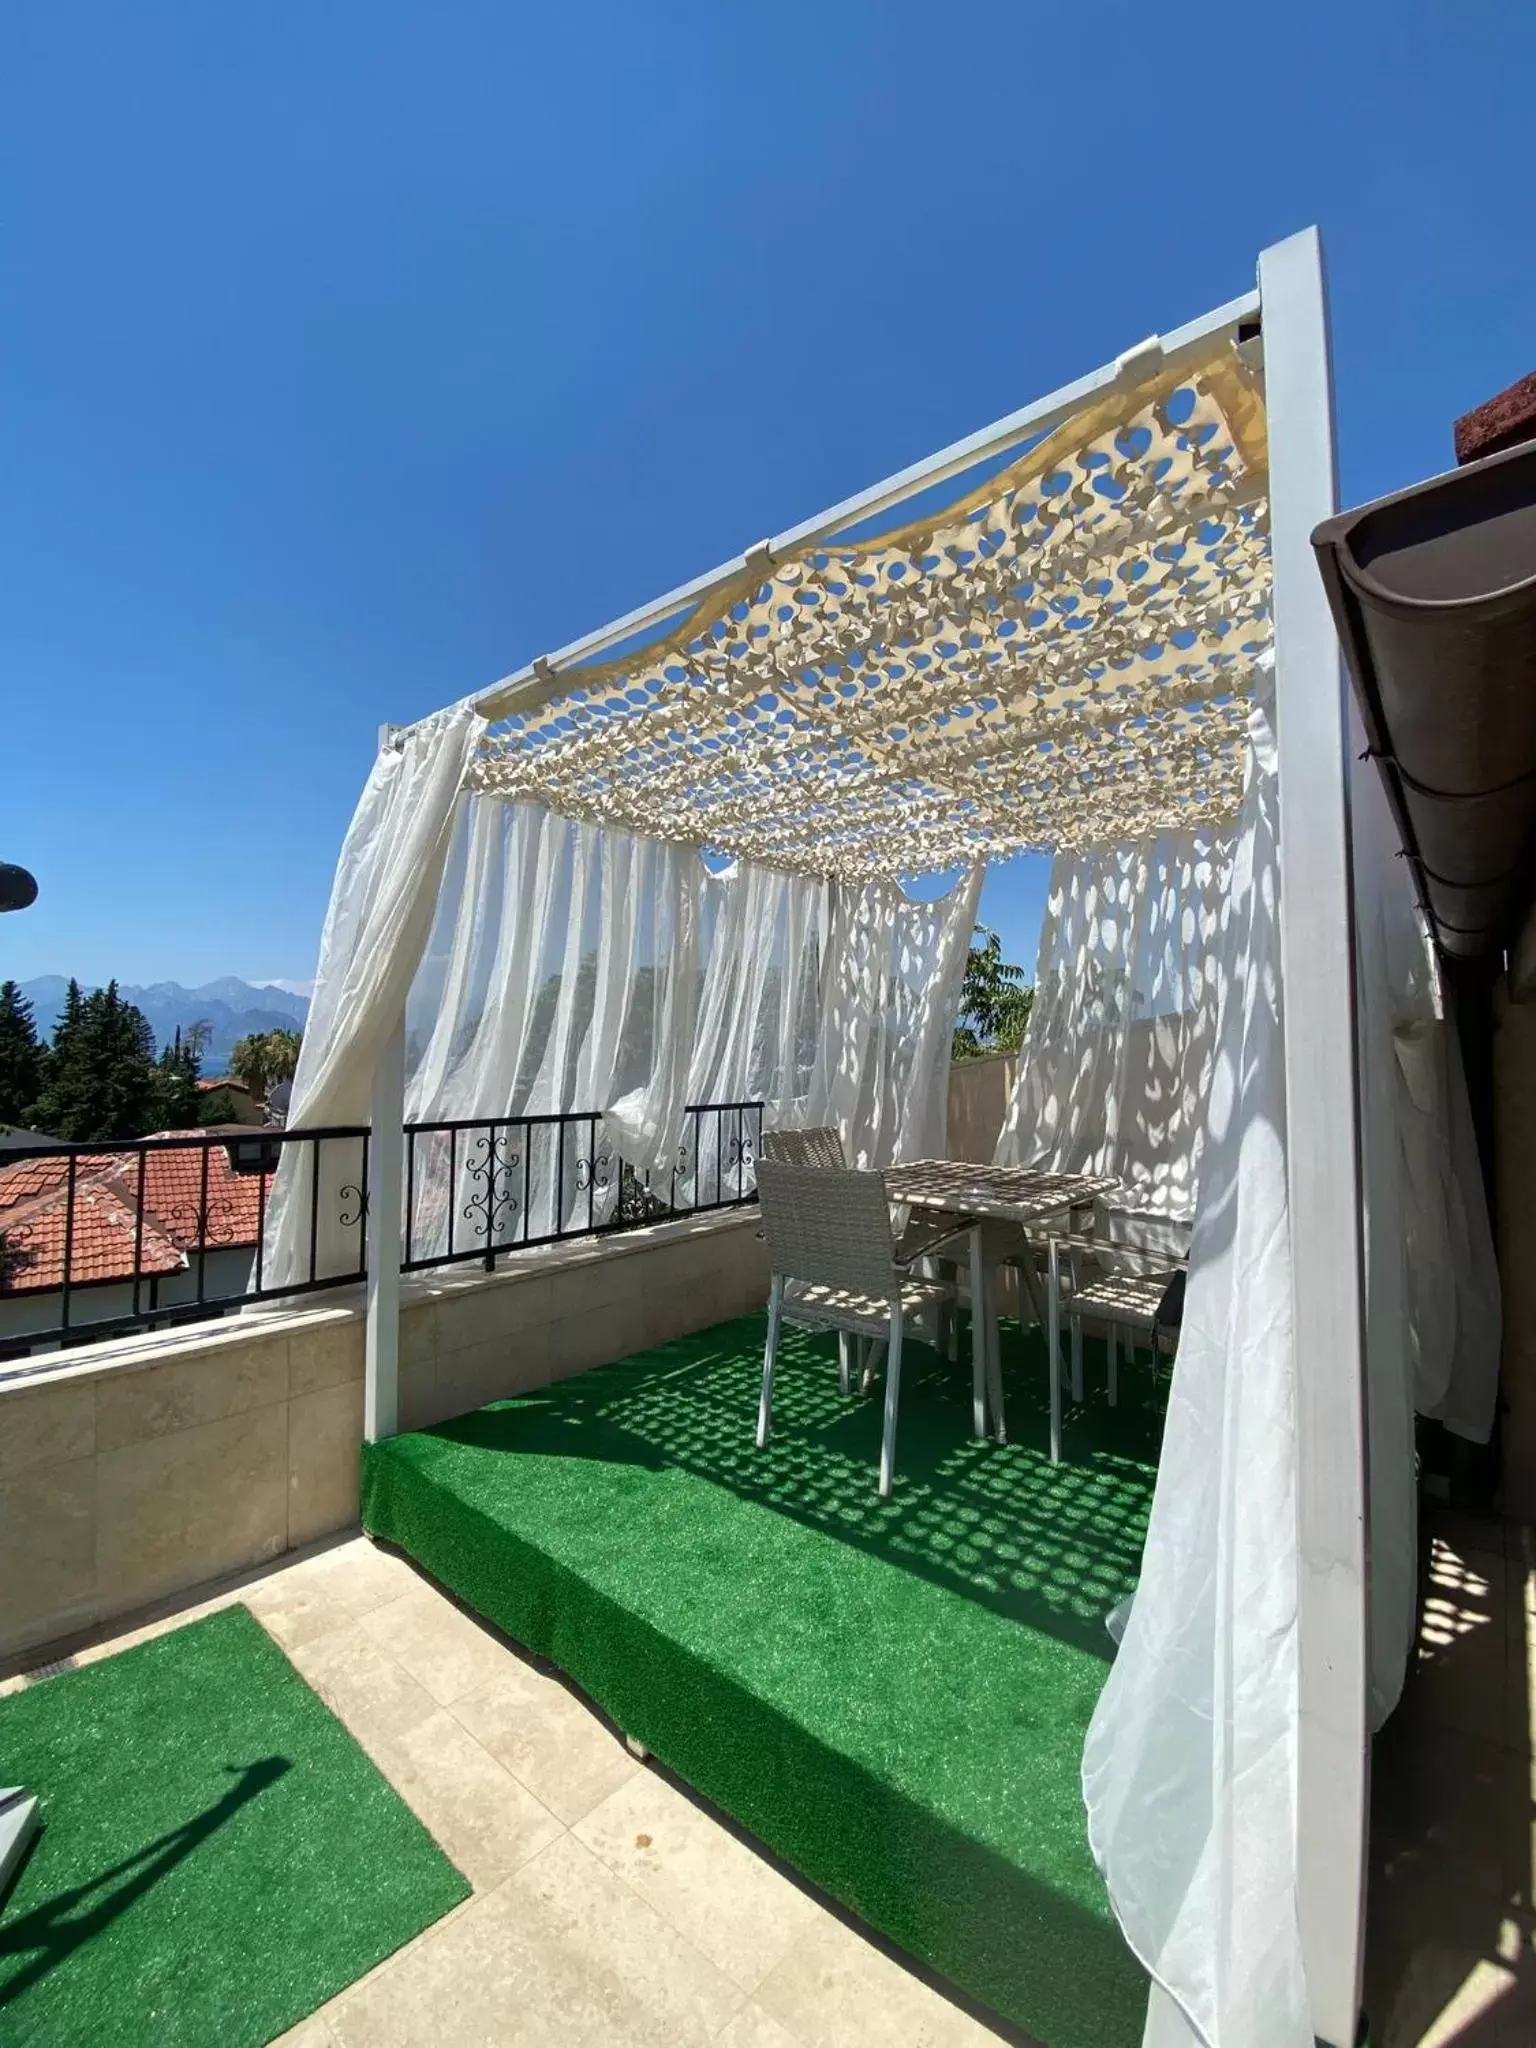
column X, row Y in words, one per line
column 891, row 1694
column 217, row 1856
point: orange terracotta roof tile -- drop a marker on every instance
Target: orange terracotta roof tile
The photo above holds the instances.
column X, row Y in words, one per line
column 101, row 1242
column 183, row 1213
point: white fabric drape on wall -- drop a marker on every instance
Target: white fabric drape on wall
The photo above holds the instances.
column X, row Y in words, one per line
column 1116, row 1063
column 1189, row 1770
column 895, row 972
column 381, row 907
column 1453, row 1274
column 1390, row 983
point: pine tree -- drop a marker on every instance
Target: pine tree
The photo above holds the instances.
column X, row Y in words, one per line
column 21, row 1058
column 178, row 1101
column 100, row 1079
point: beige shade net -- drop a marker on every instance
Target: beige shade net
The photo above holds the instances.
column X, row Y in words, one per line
column 1063, row 657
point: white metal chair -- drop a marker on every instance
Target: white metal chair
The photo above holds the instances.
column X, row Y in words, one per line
column 835, row 1266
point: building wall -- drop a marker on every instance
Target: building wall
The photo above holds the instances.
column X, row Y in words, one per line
column 145, row 1467
column 227, row 1273
column 978, row 1102
column 1515, row 1234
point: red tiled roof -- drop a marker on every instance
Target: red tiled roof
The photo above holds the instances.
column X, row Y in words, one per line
column 181, row 1214
column 101, row 1241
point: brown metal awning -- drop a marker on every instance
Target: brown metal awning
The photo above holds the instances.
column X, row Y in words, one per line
column 1434, row 593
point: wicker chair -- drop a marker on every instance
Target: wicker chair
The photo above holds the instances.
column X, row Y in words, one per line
column 1120, row 1280
column 821, row 1147
column 836, row 1267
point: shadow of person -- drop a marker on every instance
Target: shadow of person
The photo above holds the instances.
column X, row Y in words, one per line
column 55, row 1929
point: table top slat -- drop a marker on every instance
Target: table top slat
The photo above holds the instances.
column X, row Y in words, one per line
column 1009, row 1194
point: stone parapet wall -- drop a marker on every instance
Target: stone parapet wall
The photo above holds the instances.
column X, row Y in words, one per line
column 142, row 1468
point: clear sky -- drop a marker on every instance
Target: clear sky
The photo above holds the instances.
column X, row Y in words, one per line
column 354, row 353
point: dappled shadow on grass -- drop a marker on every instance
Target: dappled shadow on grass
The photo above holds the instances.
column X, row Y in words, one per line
column 1051, row 1546
column 49, row 1933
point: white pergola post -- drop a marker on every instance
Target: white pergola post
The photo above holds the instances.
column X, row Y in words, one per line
column 386, row 1162
column 386, row 1169
column 1317, row 956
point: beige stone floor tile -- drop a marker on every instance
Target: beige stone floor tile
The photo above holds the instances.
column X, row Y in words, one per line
column 402, row 1959
column 1455, row 1995
column 729, row 1901
column 315, row 2032
column 294, row 1609
column 441, row 1647
column 1445, row 1800
column 1520, row 1695
column 364, row 1686
column 1459, row 1677
column 484, row 1820
column 563, row 1955
column 1463, row 1532
column 1518, row 1833
column 754, row 2028
column 836, row 1990
column 359, row 1576
column 558, row 1747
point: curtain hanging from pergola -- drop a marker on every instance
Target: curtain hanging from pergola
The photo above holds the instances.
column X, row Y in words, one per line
column 1115, row 1070
column 1067, row 659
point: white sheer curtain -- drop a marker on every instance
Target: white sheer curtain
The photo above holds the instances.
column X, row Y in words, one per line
column 381, row 907
column 893, row 993
column 576, row 969
column 1116, row 1064
column 569, row 970
column 764, row 941
column 559, row 966
column 1189, row 1770
column 1433, row 1321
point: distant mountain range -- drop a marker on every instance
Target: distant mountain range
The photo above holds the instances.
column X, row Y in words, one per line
column 233, row 1008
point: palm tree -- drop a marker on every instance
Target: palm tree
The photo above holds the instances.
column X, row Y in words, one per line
column 263, row 1059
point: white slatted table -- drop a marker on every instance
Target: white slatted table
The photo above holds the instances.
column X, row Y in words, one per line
column 1031, row 1200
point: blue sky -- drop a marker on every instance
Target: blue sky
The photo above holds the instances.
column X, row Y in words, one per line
column 353, row 354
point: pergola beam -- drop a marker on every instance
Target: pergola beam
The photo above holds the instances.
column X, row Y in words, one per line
column 542, row 681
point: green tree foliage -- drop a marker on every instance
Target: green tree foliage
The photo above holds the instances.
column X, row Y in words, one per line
column 263, row 1059
column 21, row 1057
column 218, row 1107
column 178, row 1099
column 995, row 1001
column 99, row 1080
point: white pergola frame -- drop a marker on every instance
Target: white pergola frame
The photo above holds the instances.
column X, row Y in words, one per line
column 1322, row 1097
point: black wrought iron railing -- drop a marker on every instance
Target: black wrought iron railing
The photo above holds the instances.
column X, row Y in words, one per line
column 100, row 1240
column 475, row 1189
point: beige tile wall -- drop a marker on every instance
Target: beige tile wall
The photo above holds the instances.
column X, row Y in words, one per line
column 144, row 1467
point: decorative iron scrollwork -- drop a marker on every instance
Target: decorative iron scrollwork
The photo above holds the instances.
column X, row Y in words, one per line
column 596, row 1172
column 489, row 1164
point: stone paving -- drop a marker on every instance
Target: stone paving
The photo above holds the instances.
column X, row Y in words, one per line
column 608, row 1906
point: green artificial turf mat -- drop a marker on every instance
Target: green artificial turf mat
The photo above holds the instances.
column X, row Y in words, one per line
column 217, row 1856
column 891, row 1694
